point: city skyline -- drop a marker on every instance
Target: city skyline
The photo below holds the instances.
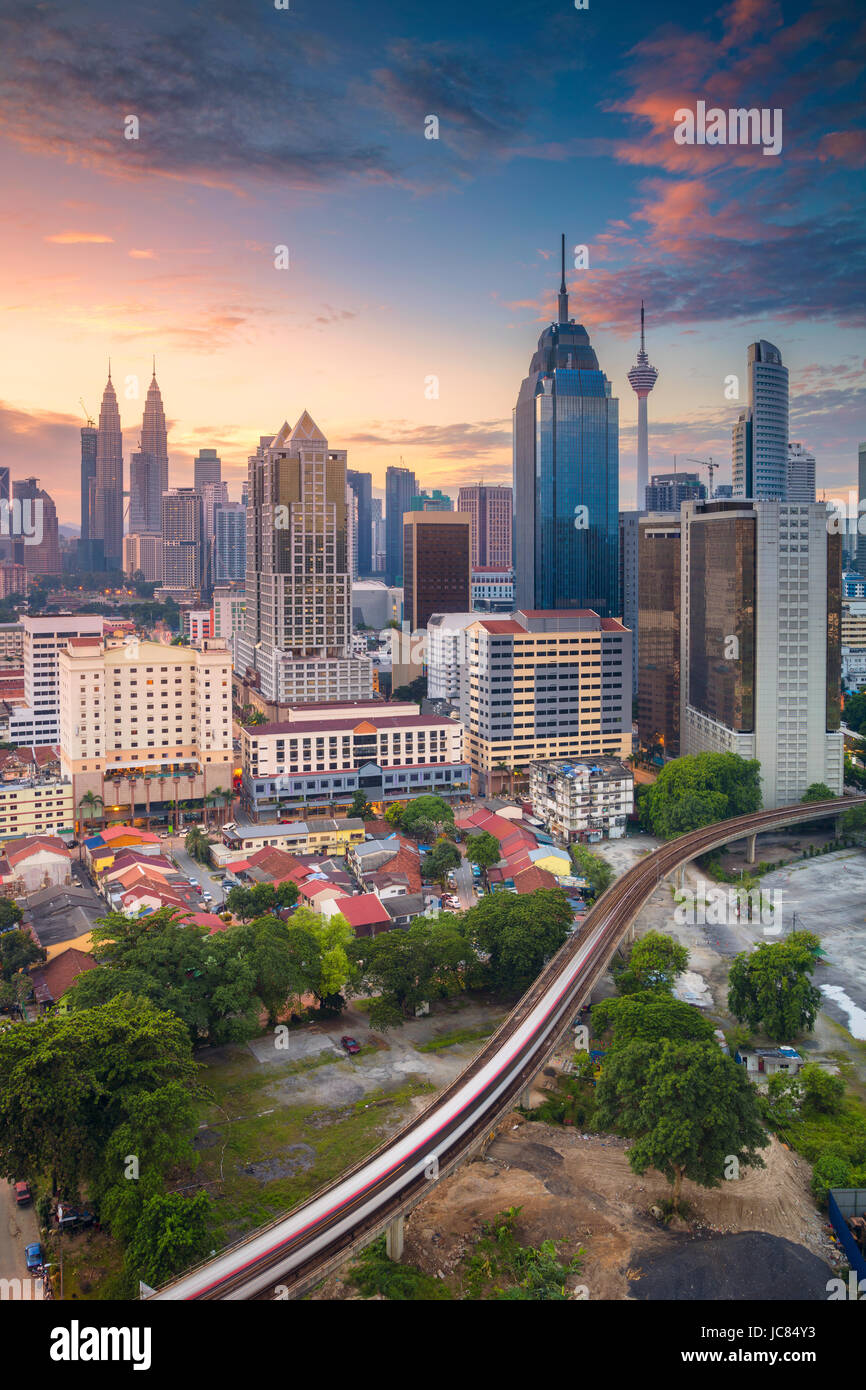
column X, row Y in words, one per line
column 413, row 258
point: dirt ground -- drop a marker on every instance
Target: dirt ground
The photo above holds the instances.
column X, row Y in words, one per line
column 579, row 1190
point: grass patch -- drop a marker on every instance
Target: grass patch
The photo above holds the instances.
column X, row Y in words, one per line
column 376, row 1274
column 338, row 1138
column 501, row 1268
column 459, row 1035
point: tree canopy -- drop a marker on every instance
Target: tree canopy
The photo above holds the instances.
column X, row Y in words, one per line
column 483, row 850
column 688, row 1108
column 409, row 967
column 426, row 817
column 654, row 962
column 443, row 857
column 699, row 789
column 648, row 1017
column 518, row 933
column 597, row 872
column 771, row 987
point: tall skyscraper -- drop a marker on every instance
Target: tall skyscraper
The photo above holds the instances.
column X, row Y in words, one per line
column 759, row 446
column 760, row 645
column 88, row 475
column 39, row 517
column 148, row 467
column 629, row 586
column 297, row 636
column 182, row 539
column 437, row 571
column 400, row 488
column 6, row 483
column 213, row 497
column 801, row 473
column 566, row 475
column 107, row 518
column 230, row 543
column 142, row 554
column 860, row 541
column 642, row 379
column 667, row 490
column 434, row 501
column 351, row 532
column 207, row 468
column 490, row 509
column 361, row 484
column 378, row 547
column 658, row 686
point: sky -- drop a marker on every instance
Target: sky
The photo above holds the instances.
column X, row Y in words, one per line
column 410, row 258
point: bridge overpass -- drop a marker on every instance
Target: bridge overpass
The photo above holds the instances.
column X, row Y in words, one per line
column 293, row 1253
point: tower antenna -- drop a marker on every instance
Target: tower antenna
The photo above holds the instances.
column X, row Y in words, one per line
column 563, row 291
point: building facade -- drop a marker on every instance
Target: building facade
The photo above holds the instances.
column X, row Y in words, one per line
column 658, row 681
column 37, row 722
column 107, row 515
column 801, row 473
column 578, row 801
column 492, row 589
column 182, row 539
column 206, row 468
column 141, row 723
column 544, row 685
column 230, row 544
column 143, row 554
column 320, row 758
column 36, row 536
column 490, row 511
column 40, row 806
column 760, row 645
column 88, row 475
column 566, row 476
column 667, row 491
column 400, row 488
column 296, row 640
column 760, row 435
column 362, row 485
column 437, row 575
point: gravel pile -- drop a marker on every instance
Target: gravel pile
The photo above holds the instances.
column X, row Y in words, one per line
column 749, row 1266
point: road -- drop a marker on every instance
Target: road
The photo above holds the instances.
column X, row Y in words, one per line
column 18, row 1227
column 192, row 869
column 285, row 1258
column 465, row 884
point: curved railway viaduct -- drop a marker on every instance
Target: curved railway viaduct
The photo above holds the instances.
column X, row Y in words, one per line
column 291, row 1254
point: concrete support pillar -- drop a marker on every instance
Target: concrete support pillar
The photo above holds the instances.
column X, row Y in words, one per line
column 750, row 847
column 526, row 1096
column 394, row 1240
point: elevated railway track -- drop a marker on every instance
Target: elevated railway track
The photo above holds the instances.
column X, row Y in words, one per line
column 294, row 1252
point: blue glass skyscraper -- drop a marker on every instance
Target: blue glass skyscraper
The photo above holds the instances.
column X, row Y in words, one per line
column 566, row 475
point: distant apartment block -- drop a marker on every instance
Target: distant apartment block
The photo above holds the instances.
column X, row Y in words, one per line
column 582, row 800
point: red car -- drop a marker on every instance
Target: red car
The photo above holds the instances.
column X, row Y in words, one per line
column 350, row 1045
column 23, row 1195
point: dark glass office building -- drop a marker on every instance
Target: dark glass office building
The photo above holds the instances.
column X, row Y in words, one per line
column 362, row 486
column 400, row 488
column 658, row 690
column 566, row 476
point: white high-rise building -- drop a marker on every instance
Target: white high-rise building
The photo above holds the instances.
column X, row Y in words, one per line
column 36, row 723
column 296, row 644
column 801, row 473
column 760, row 650
column 760, row 435
column 446, row 653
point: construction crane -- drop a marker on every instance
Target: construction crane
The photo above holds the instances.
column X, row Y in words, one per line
column 87, row 414
column 708, row 464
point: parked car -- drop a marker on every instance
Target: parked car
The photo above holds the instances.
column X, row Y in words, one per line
column 23, row 1195
column 34, row 1256
column 72, row 1219
column 208, row 897
column 350, row 1045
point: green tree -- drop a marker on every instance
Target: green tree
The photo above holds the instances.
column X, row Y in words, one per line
column 286, row 893
column 198, row 845
column 394, row 812
column 649, row 1017
column 171, row 1234
column 69, row 1083
column 410, row 967
column 823, row 1093
column 771, row 986
column 10, row 914
column 596, row 870
column 427, row 817
column 688, row 1108
column 334, row 938
column 208, row 981
column 18, row 951
column 518, row 932
column 483, row 850
column 700, row 789
column 654, row 963
column 360, row 806
column 817, row 791
column 443, row 857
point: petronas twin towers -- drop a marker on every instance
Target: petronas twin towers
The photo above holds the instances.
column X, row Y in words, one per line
column 148, row 474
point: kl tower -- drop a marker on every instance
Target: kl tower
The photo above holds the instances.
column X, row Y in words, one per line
column 643, row 378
